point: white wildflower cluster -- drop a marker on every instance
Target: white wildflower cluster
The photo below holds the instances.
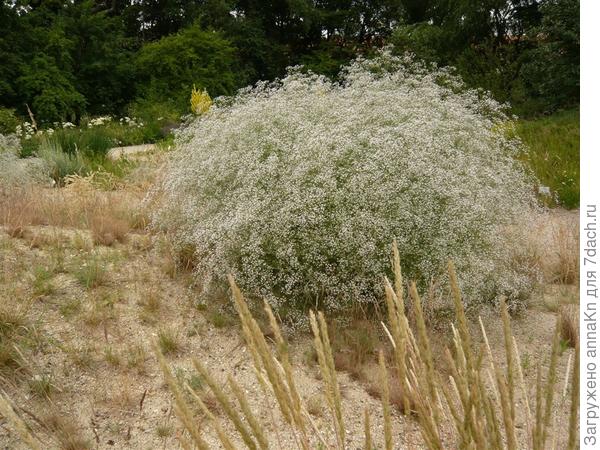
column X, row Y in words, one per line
column 132, row 122
column 298, row 187
column 99, row 121
column 25, row 130
column 18, row 172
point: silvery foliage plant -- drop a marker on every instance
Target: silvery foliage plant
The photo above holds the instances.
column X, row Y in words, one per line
column 298, row 187
column 18, row 172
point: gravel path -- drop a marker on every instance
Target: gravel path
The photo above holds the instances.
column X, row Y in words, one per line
column 120, row 152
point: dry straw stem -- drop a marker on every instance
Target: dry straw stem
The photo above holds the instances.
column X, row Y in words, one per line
column 368, row 439
column 227, row 444
column 228, row 407
column 255, row 425
column 18, row 424
column 572, row 443
column 510, row 358
column 524, row 390
column 282, row 350
column 385, row 400
column 398, row 323
column 277, row 369
column 182, row 409
column 326, row 364
column 261, row 353
column 548, row 407
column 425, row 349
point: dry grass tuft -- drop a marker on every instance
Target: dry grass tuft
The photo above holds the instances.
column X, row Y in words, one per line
column 314, row 405
column 568, row 317
column 13, row 329
column 353, row 346
column 566, row 267
column 66, row 431
column 106, row 213
column 17, row 423
column 106, row 229
column 168, row 341
column 371, row 376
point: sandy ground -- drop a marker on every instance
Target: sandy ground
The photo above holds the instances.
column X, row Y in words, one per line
column 93, row 346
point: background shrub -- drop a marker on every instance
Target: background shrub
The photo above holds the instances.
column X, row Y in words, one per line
column 170, row 67
column 553, row 154
column 299, row 187
column 8, row 121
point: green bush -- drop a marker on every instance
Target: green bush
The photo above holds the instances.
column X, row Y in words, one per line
column 159, row 118
column 8, row 121
column 167, row 69
column 54, row 95
column 554, row 154
column 551, row 70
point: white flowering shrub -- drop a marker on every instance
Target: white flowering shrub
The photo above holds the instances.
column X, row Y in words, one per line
column 299, row 187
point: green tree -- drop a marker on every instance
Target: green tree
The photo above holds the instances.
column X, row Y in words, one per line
column 101, row 58
column 51, row 91
column 167, row 69
column 552, row 68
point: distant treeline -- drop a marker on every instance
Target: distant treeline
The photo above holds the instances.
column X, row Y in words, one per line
column 66, row 59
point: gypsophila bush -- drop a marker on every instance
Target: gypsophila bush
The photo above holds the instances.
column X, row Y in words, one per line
column 297, row 187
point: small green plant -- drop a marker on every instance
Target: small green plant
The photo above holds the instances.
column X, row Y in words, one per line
column 219, row 318
column 135, row 356
column 168, row 341
column 42, row 281
column 41, row 385
column 70, row 308
column 92, row 272
column 112, row 357
column 8, row 120
column 164, row 430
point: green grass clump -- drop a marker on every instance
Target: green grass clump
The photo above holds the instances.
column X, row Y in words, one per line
column 168, row 341
column 554, row 154
column 42, row 281
column 60, row 162
column 91, row 273
column 91, row 142
column 63, row 162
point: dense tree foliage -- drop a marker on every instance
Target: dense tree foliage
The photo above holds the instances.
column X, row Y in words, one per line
column 68, row 58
